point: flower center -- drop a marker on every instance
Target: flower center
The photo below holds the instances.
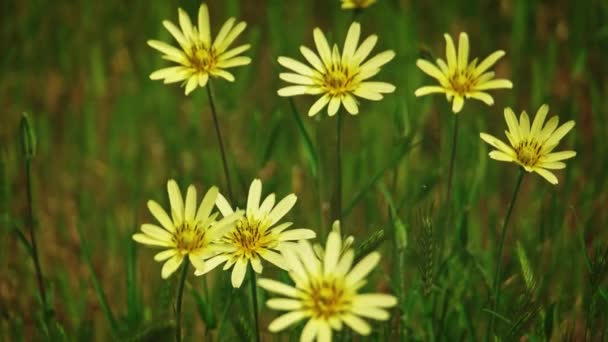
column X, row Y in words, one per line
column 188, row 238
column 462, row 82
column 327, row 298
column 248, row 235
column 338, row 79
column 528, row 152
column 202, row 58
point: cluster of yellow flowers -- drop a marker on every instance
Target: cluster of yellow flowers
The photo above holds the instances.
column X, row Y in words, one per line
column 327, row 281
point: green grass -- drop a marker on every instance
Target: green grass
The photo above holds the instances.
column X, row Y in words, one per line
column 108, row 138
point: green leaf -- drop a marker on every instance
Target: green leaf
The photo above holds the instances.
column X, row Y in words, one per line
column 101, row 296
column 309, row 148
column 205, row 310
column 28, row 137
column 525, row 267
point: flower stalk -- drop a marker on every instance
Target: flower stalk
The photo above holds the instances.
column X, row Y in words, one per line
column 178, row 309
column 254, row 299
column 28, row 140
column 496, row 283
column 220, row 141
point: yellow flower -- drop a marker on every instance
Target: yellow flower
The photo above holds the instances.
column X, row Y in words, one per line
column 255, row 234
column 353, row 4
column 199, row 56
column 326, row 291
column 337, row 77
column 531, row 147
column 188, row 232
column 460, row 79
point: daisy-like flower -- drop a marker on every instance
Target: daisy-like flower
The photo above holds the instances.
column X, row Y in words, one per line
column 459, row 79
column 531, row 147
column 354, row 4
column 256, row 234
column 339, row 78
column 188, row 232
column 198, row 56
column 326, row 291
column 346, row 243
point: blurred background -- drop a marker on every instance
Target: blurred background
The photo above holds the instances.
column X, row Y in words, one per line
column 108, row 138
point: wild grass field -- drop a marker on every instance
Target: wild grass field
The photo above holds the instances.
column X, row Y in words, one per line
column 100, row 139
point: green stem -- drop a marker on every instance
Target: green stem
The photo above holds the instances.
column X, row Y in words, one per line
column 220, row 141
column 520, row 177
column 338, row 204
column 448, row 196
column 254, row 298
column 180, row 294
column 34, row 246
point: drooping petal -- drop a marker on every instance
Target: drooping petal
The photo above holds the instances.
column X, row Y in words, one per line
column 171, row 265
column 546, row 174
column 286, row 320
column 319, row 105
column 238, row 272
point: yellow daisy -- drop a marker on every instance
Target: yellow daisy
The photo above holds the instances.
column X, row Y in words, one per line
column 326, row 291
column 256, row 234
column 531, row 147
column 337, row 77
column 188, row 232
column 198, row 55
column 460, row 79
column 354, row 4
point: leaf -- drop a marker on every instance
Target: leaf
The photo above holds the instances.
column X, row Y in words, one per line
column 309, row 148
column 405, row 146
column 101, row 296
column 205, row 310
column 525, row 267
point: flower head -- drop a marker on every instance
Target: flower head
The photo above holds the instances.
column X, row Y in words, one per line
column 531, row 147
column 326, row 291
column 198, row 56
column 188, row 232
column 256, row 235
column 354, row 4
column 459, row 79
column 337, row 77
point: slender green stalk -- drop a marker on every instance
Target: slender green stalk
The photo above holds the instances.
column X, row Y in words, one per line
column 254, row 298
column 28, row 140
column 520, row 177
column 338, row 204
column 30, row 223
column 220, row 141
column 180, row 294
column 448, row 196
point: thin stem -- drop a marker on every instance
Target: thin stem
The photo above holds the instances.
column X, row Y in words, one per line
column 220, row 141
column 520, row 177
column 448, row 196
column 254, row 298
column 180, row 294
column 338, row 204
column 34, row 246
